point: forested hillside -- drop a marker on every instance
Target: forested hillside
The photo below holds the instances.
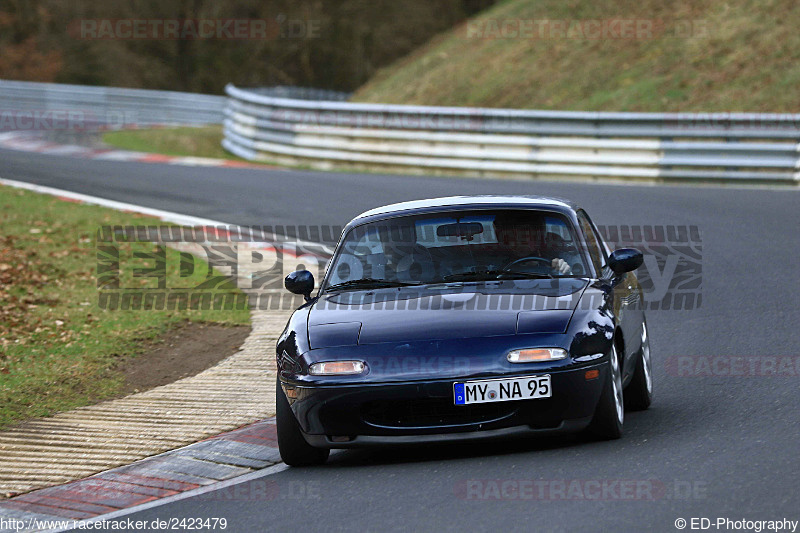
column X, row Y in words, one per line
column 321, row 43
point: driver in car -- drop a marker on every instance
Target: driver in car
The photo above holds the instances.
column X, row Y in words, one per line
column 520, row 236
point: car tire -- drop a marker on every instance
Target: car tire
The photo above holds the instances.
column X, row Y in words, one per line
column 294, row 449
column 639, row 392
column 610, row 412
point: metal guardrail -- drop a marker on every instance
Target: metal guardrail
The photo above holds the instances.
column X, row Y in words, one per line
column 31, row 105
column 319, row 129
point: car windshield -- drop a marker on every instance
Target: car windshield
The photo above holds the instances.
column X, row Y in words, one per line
column 460, row 246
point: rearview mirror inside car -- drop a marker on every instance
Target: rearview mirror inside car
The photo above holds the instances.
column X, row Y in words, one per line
column 464, row 230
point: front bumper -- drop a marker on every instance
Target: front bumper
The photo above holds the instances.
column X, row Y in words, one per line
column 346, row 416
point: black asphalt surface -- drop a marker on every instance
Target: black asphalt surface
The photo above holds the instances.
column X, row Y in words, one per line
column 712, row 447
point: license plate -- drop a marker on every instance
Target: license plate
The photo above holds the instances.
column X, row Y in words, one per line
column 502, row 390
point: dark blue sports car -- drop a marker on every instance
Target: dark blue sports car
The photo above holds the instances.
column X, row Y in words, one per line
column 462, row 318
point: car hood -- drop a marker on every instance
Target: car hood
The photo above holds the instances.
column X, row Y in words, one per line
column 443, row 312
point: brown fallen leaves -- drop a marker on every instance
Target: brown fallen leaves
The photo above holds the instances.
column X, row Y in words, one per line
column 22, row 275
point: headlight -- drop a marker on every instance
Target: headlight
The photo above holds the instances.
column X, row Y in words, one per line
column 534, row 355
column 337, row 368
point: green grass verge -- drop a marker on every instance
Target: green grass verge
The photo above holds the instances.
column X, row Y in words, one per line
column 196, row 142
column 739, row 55
column 201, row 141
column 58, row 349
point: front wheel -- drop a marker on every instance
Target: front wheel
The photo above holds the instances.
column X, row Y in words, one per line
column 294, row 449
column 610, row 412
column 639, row 392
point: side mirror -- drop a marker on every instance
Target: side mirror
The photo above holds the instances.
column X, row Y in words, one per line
column 300, row 282
column 625, row 260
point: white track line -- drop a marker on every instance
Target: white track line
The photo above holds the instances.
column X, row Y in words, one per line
column 167, row 216
column 177, row 218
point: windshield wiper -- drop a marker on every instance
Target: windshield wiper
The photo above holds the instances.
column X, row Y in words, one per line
column 366, row 283
column 531, row 275
column 489, row 275
column 494, row 275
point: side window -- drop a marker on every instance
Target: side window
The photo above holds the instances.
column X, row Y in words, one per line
column 595, row 252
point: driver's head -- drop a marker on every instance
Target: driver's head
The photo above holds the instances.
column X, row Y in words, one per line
column 519, row 229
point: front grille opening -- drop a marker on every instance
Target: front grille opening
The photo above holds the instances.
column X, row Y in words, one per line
column 431, row 412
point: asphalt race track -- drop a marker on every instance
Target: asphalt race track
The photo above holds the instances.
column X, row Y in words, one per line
column 718, row 446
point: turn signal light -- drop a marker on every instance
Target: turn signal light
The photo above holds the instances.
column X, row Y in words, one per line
column 337, row 368
column 591, row 374
column 534, row 355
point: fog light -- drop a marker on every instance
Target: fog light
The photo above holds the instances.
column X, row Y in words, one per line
column 337, row 368
column 534, row 355
column 591, row 374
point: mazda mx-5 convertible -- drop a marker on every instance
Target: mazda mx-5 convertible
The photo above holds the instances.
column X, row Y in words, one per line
column 462, row 318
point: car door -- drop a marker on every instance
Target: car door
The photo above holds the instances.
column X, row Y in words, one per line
column 625, row 287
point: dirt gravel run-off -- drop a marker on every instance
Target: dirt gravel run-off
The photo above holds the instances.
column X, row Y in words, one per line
column 181, row 352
